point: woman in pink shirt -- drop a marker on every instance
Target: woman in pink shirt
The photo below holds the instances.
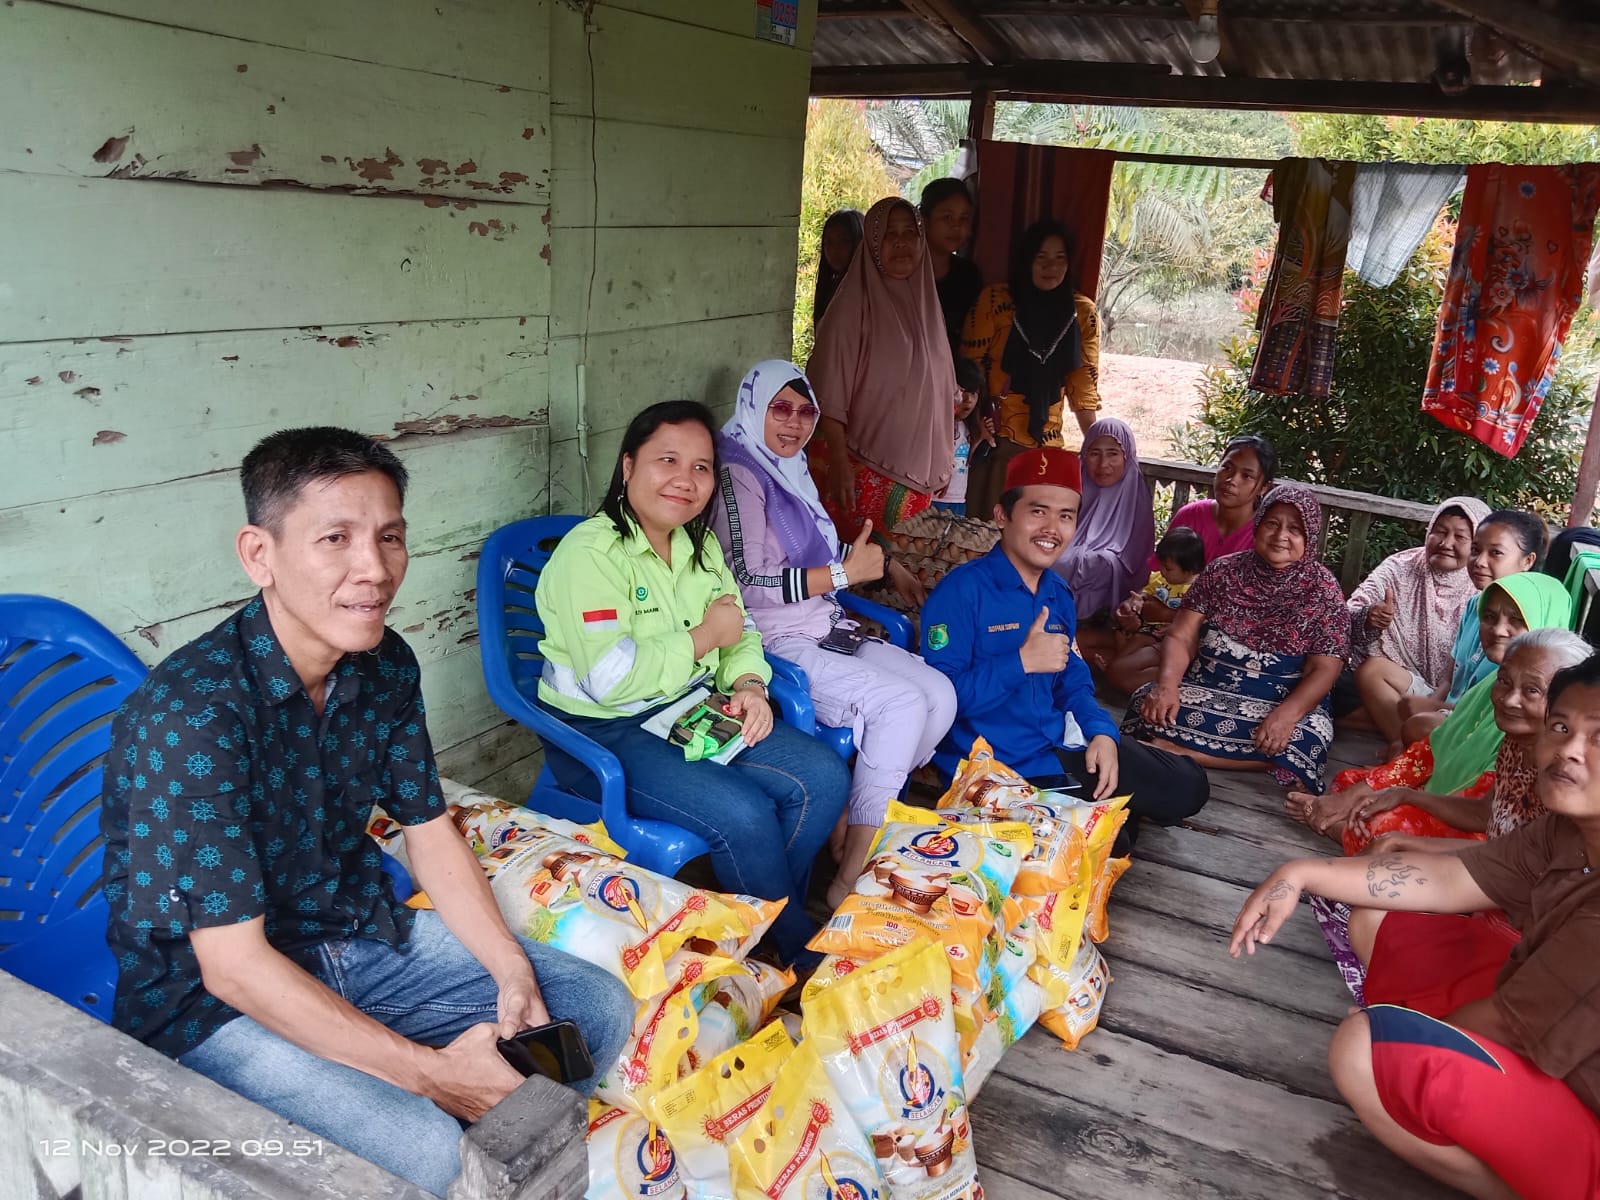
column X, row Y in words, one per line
column 789, row 562
column 1225, row 524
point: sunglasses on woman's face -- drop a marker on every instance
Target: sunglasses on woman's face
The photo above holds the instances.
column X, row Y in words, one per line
column 785, row 411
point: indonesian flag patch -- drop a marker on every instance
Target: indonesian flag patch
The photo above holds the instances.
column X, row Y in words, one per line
column 600, row 620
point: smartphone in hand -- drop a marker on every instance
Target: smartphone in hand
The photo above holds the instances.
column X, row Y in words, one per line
column 555, row 1051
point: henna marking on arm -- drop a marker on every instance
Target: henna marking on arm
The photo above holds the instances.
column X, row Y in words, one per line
column 1282, row 890
column 1386, row 877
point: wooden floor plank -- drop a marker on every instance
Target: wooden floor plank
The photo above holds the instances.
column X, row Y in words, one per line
column 1260, row 825
column 1235, row 1033
column 1209, row 903
column 1295, row 983
column 1078, row 1150
column 1309, row 1139
column 1214, row 855
column 997, row 1185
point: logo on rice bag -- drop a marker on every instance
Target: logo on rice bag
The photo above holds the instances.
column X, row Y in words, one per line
column 920, row 1093
column 657, row 1164
column 932, row 846
column 836, row 1178
column 620, row 895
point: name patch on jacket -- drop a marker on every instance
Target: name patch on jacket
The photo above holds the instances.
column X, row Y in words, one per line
column 1008, row 625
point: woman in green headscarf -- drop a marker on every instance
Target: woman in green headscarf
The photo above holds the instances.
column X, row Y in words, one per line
column 1455, row 761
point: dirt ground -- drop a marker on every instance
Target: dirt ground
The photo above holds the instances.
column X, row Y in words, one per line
column 1150, row 394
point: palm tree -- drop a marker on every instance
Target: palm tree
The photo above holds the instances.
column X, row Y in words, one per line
column 1157, row 236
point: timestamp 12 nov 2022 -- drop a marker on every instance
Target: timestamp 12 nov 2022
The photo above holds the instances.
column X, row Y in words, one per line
column 97, row 1147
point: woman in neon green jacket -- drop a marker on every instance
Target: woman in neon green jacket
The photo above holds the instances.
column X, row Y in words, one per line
column 638, row 608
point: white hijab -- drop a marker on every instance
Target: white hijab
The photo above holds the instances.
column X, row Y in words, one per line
column 747, row 429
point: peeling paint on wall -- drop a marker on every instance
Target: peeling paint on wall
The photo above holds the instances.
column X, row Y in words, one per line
column 111, row 149
column 449, row 423
column 107, row 437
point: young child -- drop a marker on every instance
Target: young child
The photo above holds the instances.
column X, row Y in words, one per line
column 1142, row 619
column 971, row 431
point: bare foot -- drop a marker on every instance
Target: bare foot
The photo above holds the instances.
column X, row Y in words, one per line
column 1299, row 806
column 839, row 892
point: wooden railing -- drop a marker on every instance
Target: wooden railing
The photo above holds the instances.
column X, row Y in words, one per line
column 1359, row 507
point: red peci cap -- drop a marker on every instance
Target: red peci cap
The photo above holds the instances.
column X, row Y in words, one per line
column 1045, row 464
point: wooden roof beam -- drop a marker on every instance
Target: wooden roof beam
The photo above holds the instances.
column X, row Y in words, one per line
column 1570, row 45
column 1142, row 83
column 964, row 23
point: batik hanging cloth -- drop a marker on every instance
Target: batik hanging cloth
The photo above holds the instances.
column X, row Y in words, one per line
column 1516, row 278
column 1299, row 313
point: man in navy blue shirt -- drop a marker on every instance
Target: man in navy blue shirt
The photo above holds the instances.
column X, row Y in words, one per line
column 258, row 941
column 1002, row 627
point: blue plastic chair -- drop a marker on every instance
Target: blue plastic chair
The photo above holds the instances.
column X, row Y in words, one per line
column 62, row 675
column 803, row 716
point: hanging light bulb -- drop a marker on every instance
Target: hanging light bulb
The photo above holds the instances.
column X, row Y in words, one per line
column 1206, row 42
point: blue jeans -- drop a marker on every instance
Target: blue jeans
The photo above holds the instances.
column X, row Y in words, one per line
column 765, row 815
column 430, row 992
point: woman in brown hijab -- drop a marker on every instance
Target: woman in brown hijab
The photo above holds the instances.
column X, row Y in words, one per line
column 885, row 383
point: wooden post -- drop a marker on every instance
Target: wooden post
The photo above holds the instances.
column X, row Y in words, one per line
column 1355, row 550
column 980, row 117
column 1588, row 470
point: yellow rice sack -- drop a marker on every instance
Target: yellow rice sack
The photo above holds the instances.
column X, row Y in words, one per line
column 704, row 1112
column 488, row 821
column 630, row 1158
column 803, row 1144
column 887, row 1038
column 1058, row 922
column 664, row 1029
column 927, row 878
column 1099, row 922
column 735, row 1006
column 1085, row 983
column 610, row 913
column 981, row 782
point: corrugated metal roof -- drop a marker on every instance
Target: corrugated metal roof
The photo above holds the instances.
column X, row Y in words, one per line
column 1372, row 40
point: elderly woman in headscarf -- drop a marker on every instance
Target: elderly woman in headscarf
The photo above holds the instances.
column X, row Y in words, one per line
column 1108, row 556
column 1455, row 762
column 1404, row 616
column 789, row 561
column 1257, row 644
column 1038, row 342
column 885, row 384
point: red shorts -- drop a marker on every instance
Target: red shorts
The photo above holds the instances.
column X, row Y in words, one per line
column 1436, row 963
column 1452, row 1088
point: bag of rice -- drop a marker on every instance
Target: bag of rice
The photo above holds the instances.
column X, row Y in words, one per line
column 803, row 1144
column 630, row 1158
column 1058, row 921
column 664, row 1029
column 732, row 1007
column 1085, row 983
column 610, row 913
column 886, row 1035
column 981, row 782
column 488, row 821
column 927, row 878
column 704, row 1112
column 1099, row 922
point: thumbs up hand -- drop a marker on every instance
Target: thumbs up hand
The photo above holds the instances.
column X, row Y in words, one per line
column 864, row 563
column 1381, row 616
column 1045, row 653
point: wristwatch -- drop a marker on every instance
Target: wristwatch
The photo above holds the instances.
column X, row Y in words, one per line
column 837, row 575
column 754, row 683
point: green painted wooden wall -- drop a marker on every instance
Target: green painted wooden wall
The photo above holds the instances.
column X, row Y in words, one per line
column 417, row 218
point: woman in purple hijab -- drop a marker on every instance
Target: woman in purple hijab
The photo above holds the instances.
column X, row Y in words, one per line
column 1109, row 555
column 789, row 562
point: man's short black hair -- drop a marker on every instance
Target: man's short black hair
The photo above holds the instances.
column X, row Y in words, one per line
column 1585, row 674
column 282, row 463
column 1183, row 546
column 1008, row 500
